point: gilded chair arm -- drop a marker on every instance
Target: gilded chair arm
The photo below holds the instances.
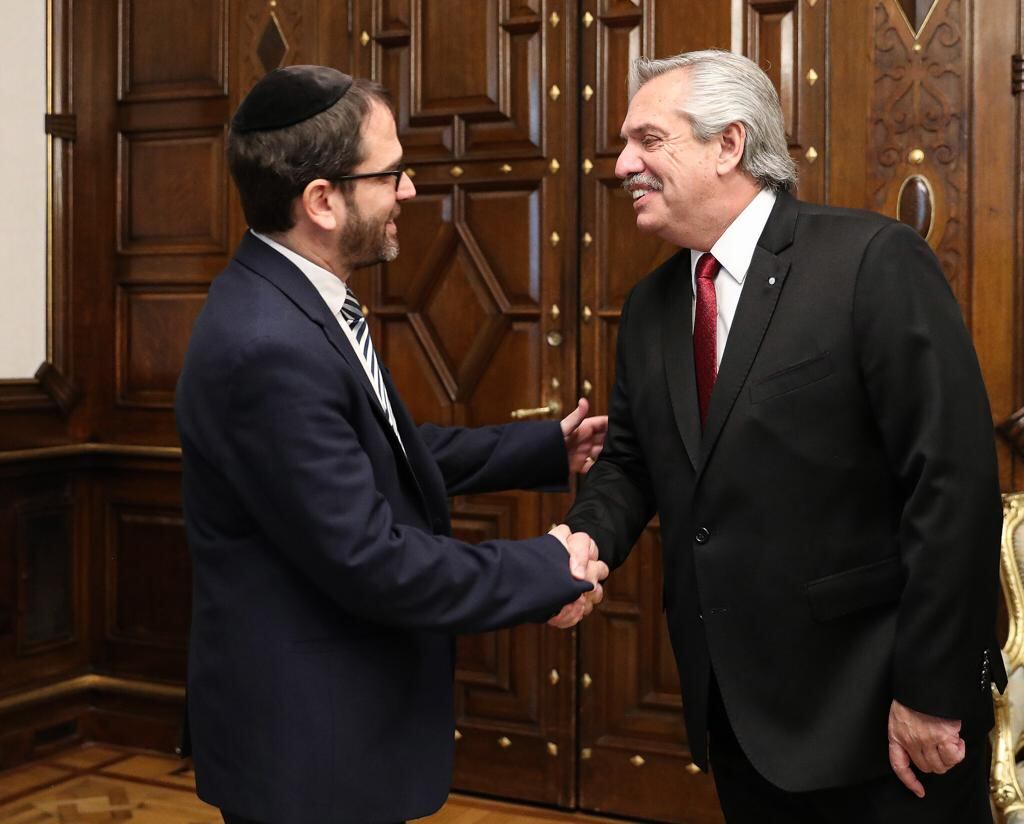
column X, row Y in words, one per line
column 1003, row 784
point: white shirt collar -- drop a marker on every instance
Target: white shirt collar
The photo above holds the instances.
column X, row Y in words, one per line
column 331, row 288
column 735, row 248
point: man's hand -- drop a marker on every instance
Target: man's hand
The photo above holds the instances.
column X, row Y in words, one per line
column 584, row 564
column 933, row 744
column 584, row 437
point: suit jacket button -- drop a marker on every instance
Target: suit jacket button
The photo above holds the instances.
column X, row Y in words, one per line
column 702, row 535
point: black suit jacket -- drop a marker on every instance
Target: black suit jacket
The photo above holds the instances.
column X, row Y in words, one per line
column 326, row 588
column 831, row 539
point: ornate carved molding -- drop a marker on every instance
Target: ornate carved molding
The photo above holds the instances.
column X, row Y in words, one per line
column 919, row 119
column 61, row 389
column 1005, row 788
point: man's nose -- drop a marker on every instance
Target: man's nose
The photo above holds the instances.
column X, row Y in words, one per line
column 406, row 188
column 628, row 163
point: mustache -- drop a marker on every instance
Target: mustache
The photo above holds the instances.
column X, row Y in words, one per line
column 642, row 179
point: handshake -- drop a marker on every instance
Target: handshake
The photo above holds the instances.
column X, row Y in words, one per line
column 583, row 564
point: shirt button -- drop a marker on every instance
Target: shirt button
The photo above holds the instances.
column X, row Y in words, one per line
column 702, row 535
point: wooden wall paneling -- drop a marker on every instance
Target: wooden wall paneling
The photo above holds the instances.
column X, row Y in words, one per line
column 172, row 192
column 153, row 324
column 143, row 573
column 152, row 722
column 40, row 730
column 928, row 107
column 786, row 38
column 45, row 573
column 850, row 51
column 474, row 317
column 995, row 256
column 920, row 116
column 153, row 65
column 171, row 205
column 43, row 556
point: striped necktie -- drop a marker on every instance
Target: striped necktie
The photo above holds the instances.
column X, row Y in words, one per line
column 353, row 315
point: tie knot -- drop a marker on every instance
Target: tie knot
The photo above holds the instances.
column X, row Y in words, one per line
column 707, row 266
column 351, row 309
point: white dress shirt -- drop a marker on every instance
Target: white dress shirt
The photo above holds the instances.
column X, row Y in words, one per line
column 734, row 251
column 333, row 291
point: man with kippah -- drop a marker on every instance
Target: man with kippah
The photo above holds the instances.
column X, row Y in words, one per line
column 326, row 586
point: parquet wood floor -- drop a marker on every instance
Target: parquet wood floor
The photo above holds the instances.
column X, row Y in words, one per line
column 99, row 784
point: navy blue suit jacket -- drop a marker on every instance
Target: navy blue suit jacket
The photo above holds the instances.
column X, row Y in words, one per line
column 326, row 586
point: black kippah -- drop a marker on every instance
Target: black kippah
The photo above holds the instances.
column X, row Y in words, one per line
column 290, row 95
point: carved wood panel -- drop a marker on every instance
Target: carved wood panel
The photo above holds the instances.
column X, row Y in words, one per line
column 184, row 173
column 472, row 316
column 43, row 625
column 786, row 38
column 147, row 570
column 46, row 574
column 153, row 64
column 153, row 324
column 919, row 125
column 142, row 578
column 171, row 202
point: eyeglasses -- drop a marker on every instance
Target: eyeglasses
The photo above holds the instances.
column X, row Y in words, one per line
column 395, row 173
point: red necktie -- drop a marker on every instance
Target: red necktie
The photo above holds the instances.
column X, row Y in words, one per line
column 705, row 332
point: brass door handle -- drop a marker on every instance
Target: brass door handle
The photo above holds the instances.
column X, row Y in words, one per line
column 553, row 408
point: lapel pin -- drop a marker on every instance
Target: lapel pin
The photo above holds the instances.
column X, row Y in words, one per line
column 771, row 281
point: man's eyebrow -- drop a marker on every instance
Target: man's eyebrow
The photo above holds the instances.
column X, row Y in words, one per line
column 641, row 128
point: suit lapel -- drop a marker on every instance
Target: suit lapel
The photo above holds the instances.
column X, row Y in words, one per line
column 761, row 290
column 425, row 473
column 677, row 344
column 266, row 262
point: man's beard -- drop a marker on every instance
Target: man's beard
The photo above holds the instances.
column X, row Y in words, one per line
column 366, row 242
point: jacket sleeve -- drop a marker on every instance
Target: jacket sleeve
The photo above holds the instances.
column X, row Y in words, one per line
column 525, row 455
column 300, row 469
column 616, row 500
column 925, row 389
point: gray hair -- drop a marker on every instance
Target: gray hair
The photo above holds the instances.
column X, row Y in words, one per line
column 729, row 88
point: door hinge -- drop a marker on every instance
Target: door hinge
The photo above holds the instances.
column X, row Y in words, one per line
column 1017, row 73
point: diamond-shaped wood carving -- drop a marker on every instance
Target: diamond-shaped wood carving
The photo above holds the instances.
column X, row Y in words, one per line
column 462, row 316
column 272, row 46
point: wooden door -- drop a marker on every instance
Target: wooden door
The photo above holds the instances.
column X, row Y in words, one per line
column 878, row 98
column 476, row 316
column 634, row 757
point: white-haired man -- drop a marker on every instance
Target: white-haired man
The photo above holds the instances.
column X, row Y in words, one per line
column 820, row 452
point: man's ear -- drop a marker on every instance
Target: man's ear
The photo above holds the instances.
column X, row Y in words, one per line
column 322, row 204
column 731, row 142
